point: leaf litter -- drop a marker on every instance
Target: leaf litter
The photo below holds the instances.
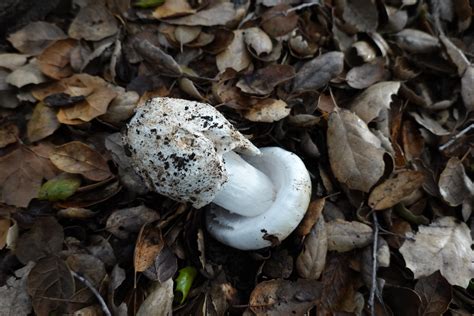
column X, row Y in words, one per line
column 376, row 97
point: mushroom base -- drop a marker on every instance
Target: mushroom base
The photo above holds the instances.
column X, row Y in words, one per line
column 293, row 192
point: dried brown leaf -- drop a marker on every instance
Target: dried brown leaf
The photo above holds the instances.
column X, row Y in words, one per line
column 416, row 41
column 317, row 72
column 258, row 41
column 54, row 61
column 35, row 37
column 393, row 191
column 467, row 88
column 364, row 76
column 45, row 238
column 282, row 297
column 12, row 61
column 43, row 123
column 186, row 34
column 344, row 236
column 454, row 184
column 163, row 267
column 149, row 244
column 374, row 99
column 279, row 20
column 130, row 220
column 9, row 134
column 435, row 293
column 14, row 298
column 362, row 14
column 160, row 300
column 50, row 284
column 430, row 124
column 77, row 157
column 312, row 215
column 93, row 23
column 268, row 110
column 25, row 75
column 160, row 61
column 312, row 259
column 455, row 54
column 444, row 245
column 174, row 8
column 264, row 80
column 235, row 56
column 121, row 108
column 89, row 266
column 22, row 172
column 220, row 13
column 355, row 154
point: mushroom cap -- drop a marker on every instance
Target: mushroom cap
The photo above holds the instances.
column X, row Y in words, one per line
column 293, row 185
column 176, row 147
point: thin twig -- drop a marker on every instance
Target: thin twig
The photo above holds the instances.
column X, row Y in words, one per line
column 96, row 293
column 302, row 6
column 452, row 140
column 373, row 287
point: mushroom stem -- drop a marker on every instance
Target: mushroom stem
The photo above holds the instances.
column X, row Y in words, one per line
column 248, row 191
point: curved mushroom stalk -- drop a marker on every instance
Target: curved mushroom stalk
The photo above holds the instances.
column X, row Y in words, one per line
column 189, row 152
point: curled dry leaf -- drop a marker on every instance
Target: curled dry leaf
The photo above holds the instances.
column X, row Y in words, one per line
column 160, row 300
column 22, row 172
column 186, row 34
column 355, row 154
column 430, row 124
column 35, row 37
column 220, row 12
column 374, row 99
column 393, row 191
column 444, row 245
column 160, row 61
column 435, row 293
column 312, row 259
column 415, row 41
column 235, row 56
column 264, row 80
column 283, row 297
column 344, row 236
column 77, row 157
column 43, row 123
column 149, row 244
column 121, row 108
column 25, row 75
column 12, row 61
column 311, row 217
column 267, row 110
column 258, row 41
column 279, row 20
column 455, row 54
column 93, row 23
column 50, row 284
column 54, row 61
column 174, row 8
column 454, row 184
column 317, row 72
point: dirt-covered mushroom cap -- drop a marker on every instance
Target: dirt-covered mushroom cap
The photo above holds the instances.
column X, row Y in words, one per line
column 177, row 145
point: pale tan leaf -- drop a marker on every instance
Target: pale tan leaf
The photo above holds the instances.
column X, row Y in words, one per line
column 454, row 184
column 344, row 236
column 235, row 56
column 173, row 8
column 14, row 298
column 312, row 259
column 220, row 13
column 12, row 61
column 268, row 110
column 444, row 245
column 258, row 41
column 355, row 154
column 25, row 75
column 43, row 123
column 467, row 88
column 374, row 99
column 160, row 300
column 93, row 23
column 392, row 191
column 35, row 37
column 149, row 244
column 54, row 61
column 416, row 41
column 77, row 157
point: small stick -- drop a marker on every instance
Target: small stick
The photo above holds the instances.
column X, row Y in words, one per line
column 96, row 293
column 373, row 287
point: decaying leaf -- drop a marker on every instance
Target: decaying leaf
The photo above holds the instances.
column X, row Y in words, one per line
column 12, row 61
column 355, row 153
column 430, row 124
column 467, row 88
column 264, row 80
column 435, row 293
column 172, row 9
column 160, row 300
column 220, row 12
column 50, row 284
column 317, row 72
column 268, row 110
column 149, row 244
column 312, row 259
column 35, row 37
column 235, row 56
column 93, row 23
column 77, row 157
column 9, row 134
column 344, row 236
column 393, row 191
column 416, row 41
column 364, row 76
column 14, row 298
column 279, row 20
column 25, row 75
column 444, row 245
column 130, row 220
column 21, row 174
column 43, row 123
column 374, row 99
column 362, row 14
column 158, row 59
column 258, row 41
column 54, row 61
column 282, row 297
column 454, row 184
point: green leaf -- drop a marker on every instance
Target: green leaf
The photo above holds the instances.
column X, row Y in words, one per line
column 144, row 4
column 184, row 281
column 60, row 187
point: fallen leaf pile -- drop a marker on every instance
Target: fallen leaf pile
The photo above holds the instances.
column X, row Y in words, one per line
column 376, row 97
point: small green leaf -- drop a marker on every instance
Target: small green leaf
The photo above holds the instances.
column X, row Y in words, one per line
column 144, row 4
column 184, row 281
column 60, row 187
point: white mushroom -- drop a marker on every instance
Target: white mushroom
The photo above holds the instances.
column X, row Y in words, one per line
column 189, row 152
